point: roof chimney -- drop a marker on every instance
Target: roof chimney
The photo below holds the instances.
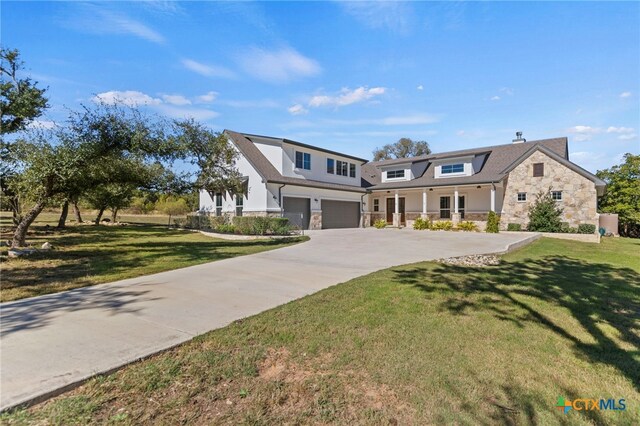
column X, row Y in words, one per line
column 519, row 138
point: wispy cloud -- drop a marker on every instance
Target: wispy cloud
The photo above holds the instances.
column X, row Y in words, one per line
column 207, row 70
column 277, row 66
column 420, row 87
column 625, row 95
column 394, row 16
column 297, row 109
column 399, row 120
column 130, row 98
column 584, row 133
column 346, row 96
column 207, row 98
column 99, row 19
column 251, row 103
column 495, row 98
column 42, row 124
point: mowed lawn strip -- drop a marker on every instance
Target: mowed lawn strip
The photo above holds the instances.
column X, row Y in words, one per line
column 86, row 255
column 424, row 343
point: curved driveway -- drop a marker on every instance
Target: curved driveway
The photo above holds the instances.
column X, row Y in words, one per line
column 55, row 341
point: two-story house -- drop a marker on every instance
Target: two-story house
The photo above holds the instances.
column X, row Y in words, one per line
column 319, row 189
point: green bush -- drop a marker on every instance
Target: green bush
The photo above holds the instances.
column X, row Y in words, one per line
column 544, row 214
column 586, row 228
column 493, row 223
column 421, row 224
column 444, row 225
column 225, row 228
column 468, row 226
column 257, row 225
column 514, row 227
column 380, row 223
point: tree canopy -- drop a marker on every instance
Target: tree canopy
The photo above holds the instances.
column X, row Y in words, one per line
column 623, row 193
column 403, row 148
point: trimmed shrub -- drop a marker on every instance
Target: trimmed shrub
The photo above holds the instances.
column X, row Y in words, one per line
column 421, row 224
column 468, row 226
column 586, row 228
column 544, row 214
column 493, row 223
column 259, row 225
column 514, row 227
column 442, row 225
column 225, row 228
column 380, row 223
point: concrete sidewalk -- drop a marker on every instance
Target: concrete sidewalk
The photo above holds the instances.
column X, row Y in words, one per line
column 53, row 342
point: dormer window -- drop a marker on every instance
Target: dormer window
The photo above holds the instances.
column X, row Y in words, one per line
column 394, row 174
column 303, row 160
column 452, row 168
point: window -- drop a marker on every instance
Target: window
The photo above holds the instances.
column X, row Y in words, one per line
column 461, row 208
column 445, row 207
column 218, row 204
column 331, row 166
column 556, row 195
column 394, row 174
column 352, row 170
column 303, row 160
column 376, row 205
column 522, row 196
column 538, row 169
column 342, row 168
column 239, row 204
column 452, row 168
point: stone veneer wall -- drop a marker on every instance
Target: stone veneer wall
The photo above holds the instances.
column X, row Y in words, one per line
column 260, row 214
column 579, row 197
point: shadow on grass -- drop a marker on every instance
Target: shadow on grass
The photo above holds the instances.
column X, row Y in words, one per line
column 37, row 312
column 593, row 293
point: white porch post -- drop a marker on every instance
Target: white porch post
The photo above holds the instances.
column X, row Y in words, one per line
column 424, row 203
column 397, row 203
column 396, row 214
column 493, row 198
column 455, row 217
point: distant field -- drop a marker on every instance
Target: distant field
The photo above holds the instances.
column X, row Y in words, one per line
column 51, row 218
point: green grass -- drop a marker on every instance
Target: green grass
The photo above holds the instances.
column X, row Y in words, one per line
column 87, row 255
column 424, row 343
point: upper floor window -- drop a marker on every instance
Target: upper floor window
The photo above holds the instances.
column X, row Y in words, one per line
column 352, row 170
column 331, row 166
column 303, row 160
column 556, row 195
column 342, row 168
column 392, row 174
column 452, row 168
column 538, row 169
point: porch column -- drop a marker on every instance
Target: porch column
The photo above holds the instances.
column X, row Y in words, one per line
column 493, row 198
column 424, row 203
column 455, row 217
column 396, row 214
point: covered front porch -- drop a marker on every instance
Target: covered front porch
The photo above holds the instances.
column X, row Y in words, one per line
column 400, row 207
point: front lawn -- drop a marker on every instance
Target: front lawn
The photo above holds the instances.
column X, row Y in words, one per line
column 424, row 343
column 87, row 254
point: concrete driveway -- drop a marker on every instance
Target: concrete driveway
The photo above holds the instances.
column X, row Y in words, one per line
column 52, row 342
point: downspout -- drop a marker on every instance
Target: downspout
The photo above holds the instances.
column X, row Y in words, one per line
column 362, row 207
column 280, row 198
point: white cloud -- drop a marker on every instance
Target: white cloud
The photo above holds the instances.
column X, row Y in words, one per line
column 207, row 70
column 346, row 97
column 176, row 100
column 208, row 97
column 297, row 109
column 495, row 98
column 584, row 133
column 625, row 95
column 42, row 124
column 612, row 129
column 627, row 137
column 394, row 16
column 507, row 91
column 420, row 87
column 278, row 66
column 189, row 112
column 130, row 98
column 98, row 19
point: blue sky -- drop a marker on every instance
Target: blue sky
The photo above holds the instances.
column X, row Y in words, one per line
column 351, row 76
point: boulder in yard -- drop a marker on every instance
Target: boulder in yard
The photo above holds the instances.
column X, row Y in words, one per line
column 15, row 253
column 46, row 246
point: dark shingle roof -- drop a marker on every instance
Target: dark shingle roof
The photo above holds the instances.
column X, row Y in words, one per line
column 271, row 175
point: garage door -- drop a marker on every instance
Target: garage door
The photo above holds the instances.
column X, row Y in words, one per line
column 297, row 210
column 340, row 214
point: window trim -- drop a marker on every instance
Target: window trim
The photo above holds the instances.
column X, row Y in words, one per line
column 305, row 160
column 452, row 171
column 398, row 174
column 518, row 197
column 556, row 199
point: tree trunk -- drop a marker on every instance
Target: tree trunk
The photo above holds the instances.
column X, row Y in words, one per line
column 63, row 214
column 169, row 220
column 20, row 234
column 76, row 210
column 14, row 202
column 114, row 215
column 99, row 216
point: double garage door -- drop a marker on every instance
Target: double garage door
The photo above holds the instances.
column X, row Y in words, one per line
column 335, row 214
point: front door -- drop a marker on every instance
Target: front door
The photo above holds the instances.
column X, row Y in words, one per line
column 391, row 209
column 461, row 206
column 445, row 207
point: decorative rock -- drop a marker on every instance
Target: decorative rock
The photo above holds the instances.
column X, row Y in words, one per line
column 472, row 260
column 46, row 246
column 15, row 253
